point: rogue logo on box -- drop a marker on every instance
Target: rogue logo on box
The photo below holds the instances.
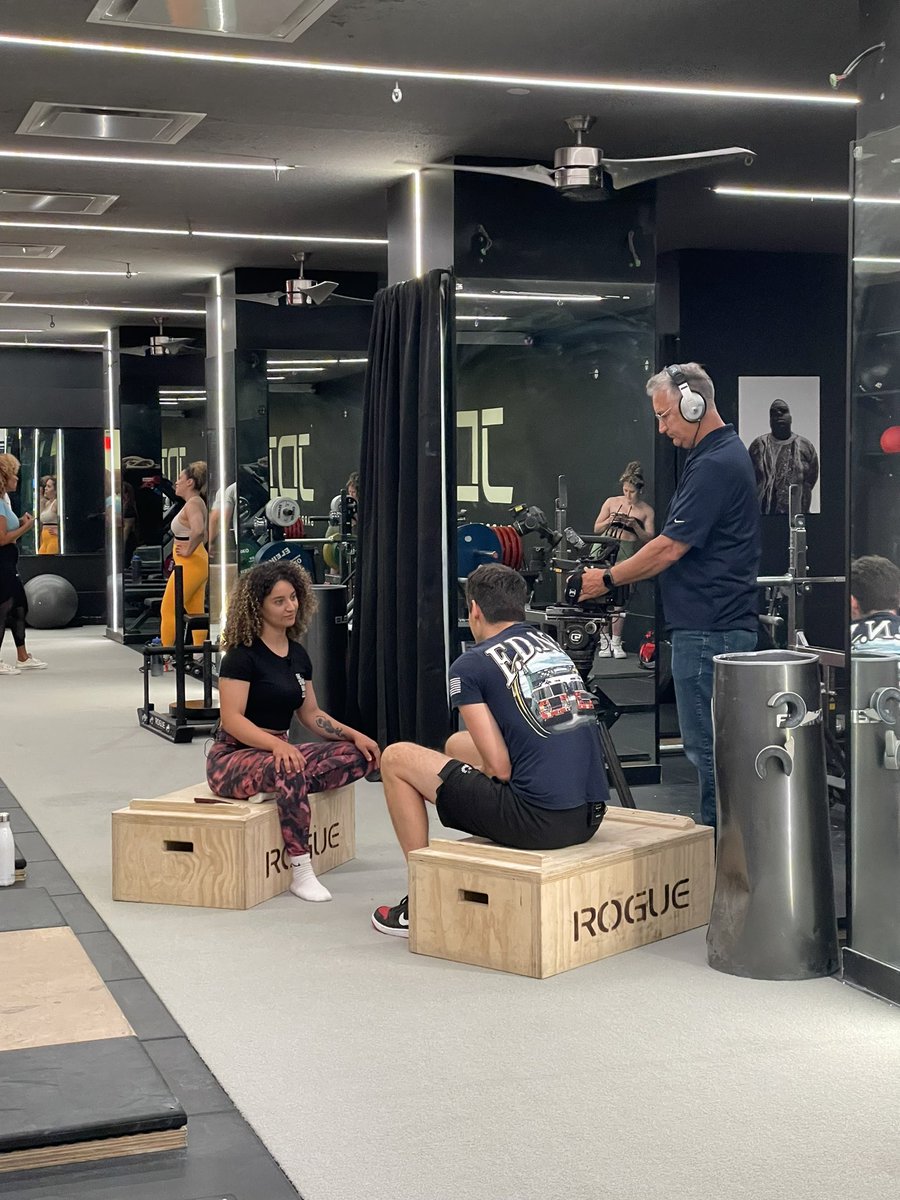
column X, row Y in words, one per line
column 644, row 905
column 320, row 840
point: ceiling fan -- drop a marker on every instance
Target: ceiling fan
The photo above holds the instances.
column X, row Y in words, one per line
column 300, row 291
column 581, row 172
column 162, row 345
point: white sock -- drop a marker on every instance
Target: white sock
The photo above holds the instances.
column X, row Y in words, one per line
column 617, row 641
column 304, row 883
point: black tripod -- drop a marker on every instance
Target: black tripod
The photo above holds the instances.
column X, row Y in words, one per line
column 578, row 633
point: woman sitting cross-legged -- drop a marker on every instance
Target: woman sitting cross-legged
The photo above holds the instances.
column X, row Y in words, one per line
column 264, row 679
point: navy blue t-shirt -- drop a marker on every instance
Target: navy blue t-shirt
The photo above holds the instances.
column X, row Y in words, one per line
column 546, row 717
column 716, row 511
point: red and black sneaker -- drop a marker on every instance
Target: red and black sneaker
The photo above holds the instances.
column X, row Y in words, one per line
column 394, row 921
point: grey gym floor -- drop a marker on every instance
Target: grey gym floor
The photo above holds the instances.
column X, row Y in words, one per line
column 368, row 1072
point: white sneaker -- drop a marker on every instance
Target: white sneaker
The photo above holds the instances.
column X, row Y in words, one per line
column 6, row 669
column 618, row 650
column 605, row 650
column 32, row 664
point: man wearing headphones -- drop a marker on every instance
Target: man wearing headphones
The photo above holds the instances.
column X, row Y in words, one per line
column 707, row 554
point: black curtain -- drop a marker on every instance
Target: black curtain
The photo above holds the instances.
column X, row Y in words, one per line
column 405, row 595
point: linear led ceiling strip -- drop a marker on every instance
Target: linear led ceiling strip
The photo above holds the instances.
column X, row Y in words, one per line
column 155, row 231
column 52, row 306
column 530, row 81
column 122, row 160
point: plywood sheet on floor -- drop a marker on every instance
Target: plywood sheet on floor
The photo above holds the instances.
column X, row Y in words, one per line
column 51, row 994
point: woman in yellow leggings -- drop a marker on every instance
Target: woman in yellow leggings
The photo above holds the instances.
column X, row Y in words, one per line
column 189, row 531
column 49, row 516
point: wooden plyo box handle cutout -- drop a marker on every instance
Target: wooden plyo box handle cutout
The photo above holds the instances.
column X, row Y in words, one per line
column 186, row 847
column 473, row 897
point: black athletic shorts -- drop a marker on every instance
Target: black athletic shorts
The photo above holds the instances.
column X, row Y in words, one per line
column 485, row 807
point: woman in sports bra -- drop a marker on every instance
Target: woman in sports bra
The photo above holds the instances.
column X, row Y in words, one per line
column 630, row 520
column 49, row 516
column 189, row 531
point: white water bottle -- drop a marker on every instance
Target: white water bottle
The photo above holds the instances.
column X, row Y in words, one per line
column 7, row 852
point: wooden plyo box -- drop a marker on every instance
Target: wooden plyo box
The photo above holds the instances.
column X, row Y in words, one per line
column 172, row 850
column 642, row 877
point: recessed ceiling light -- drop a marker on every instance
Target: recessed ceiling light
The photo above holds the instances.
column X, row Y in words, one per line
column 265, row 20
column 295, row 370
column 32, row 330
column 519, row 91
column 482, row 318
column 162, row 128
column 52, row 306
column 875, row 258
column 380, row 72
column 64, row 271
column 14, row 200
column 195, row 164
column 202, row 233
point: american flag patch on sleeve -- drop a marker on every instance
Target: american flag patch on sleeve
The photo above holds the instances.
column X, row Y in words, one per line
column 455, row 686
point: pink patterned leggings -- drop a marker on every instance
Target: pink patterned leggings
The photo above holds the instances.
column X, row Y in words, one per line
column 239, row 771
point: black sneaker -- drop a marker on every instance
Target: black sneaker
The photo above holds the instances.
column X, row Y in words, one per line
column 394, row 921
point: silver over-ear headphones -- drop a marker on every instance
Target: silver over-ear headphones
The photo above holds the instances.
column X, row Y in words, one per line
column 691, row 404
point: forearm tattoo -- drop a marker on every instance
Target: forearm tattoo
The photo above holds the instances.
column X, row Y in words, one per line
column 330, row 729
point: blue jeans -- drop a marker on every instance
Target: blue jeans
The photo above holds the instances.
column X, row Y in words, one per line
column 692, row 671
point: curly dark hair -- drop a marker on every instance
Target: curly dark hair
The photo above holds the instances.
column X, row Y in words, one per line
column 244, row 621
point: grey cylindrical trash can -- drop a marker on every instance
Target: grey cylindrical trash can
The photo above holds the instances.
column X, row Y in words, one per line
column 875, row 806
column 326, row 642
column 773, row 914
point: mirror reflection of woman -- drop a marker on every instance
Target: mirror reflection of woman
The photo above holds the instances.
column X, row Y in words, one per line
column 629, row 519
column 13, row 602
column 189, row 531
column 49, row 516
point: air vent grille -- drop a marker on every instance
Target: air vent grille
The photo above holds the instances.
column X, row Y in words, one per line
column 23, row 250
column 261, row 20
column 157, row 127
column 80, row 203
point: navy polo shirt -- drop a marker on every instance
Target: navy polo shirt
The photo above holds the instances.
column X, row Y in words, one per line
column 716, row 511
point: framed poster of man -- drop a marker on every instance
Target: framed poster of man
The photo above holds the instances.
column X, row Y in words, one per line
column 778, row 418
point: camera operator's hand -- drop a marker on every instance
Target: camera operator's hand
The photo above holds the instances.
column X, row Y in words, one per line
column 592, row 584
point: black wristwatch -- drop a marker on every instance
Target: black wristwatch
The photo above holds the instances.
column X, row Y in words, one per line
column 608, row 582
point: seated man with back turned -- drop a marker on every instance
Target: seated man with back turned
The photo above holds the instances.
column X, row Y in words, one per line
column 528, row 771
column 874, row 605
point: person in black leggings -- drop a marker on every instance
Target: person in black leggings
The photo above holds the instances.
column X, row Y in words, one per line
column 13, row 602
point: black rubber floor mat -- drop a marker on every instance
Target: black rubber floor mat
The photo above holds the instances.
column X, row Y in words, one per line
column 27, row 908
column 83, row 1091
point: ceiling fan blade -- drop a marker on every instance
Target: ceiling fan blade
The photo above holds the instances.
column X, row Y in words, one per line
column 138, row 351
column 534, row 173
column 320, row 291
column 625, row 172
column 273, row 298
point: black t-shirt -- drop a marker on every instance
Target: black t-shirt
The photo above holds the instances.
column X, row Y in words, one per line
column 716, row 511
column 277, row 685
column 546, row 717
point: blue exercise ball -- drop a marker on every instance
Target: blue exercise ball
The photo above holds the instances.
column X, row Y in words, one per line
column 52, row 602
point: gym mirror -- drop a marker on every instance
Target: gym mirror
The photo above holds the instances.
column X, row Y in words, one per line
column 163, row 431
column 874, row 795
column 61, row 483
column 551, row 383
